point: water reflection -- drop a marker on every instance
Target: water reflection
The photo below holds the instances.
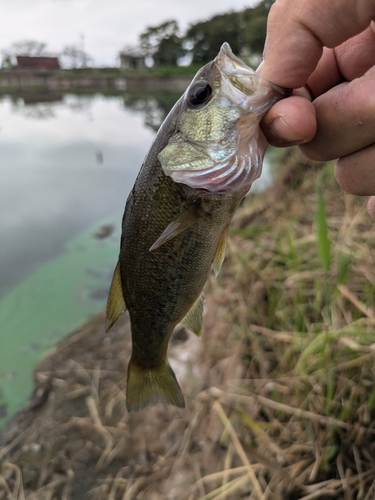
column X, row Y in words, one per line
column 43, row 105
column 155, row 107
column 67, row 161
column 37, row 105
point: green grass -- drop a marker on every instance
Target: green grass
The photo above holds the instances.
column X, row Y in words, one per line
column 322, row 238
column 163, row 71
column 300, row 266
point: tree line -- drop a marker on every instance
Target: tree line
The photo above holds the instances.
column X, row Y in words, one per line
column 245, row 31
column 73, row 56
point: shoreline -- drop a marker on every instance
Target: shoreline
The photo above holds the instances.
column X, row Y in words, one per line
column 116, row 80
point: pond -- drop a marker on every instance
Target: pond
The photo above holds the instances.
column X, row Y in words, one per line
column 68, row 163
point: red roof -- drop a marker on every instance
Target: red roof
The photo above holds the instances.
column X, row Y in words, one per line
column 43, row 62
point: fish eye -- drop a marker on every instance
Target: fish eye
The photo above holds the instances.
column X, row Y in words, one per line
column 200, row 93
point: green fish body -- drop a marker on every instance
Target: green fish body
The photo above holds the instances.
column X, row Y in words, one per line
column 174, row 230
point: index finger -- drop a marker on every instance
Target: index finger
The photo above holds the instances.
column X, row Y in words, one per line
column 297, row 31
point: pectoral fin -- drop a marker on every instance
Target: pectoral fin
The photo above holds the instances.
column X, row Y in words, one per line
column 116, row 303
column 220, row 252
column 180, row 224
column 194, row 318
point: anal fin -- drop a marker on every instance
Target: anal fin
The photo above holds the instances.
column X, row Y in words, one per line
column 220, row 252
column 194, row 318
column 116, row 303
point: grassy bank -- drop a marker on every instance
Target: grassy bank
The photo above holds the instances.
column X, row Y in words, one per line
column 170, row 78
column 159, row 72
column 280, row 393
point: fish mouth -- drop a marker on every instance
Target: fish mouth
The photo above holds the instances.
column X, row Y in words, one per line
column 244, row 78
column 230, row 64
column 231, row 161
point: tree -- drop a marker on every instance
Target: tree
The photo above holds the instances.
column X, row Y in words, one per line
column 245, row 31
column 29, row 48
column 255, row 22
column 23, row 48
column 75, row 57
column 205, row 38
column 163, row 43
column 7, row 62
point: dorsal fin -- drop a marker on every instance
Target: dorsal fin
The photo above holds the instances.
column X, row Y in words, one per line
column 194, row 318
column 116, row 302
column 220, row 252
column 180, row 223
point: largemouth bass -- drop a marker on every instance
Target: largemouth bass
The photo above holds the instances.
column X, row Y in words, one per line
column 201, row 164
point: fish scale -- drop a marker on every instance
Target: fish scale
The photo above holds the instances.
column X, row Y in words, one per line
column 173, row 233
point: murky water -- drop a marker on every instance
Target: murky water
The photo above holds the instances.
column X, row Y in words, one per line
column 67, row 164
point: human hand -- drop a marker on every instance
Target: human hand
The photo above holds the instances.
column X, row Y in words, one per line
column 326, row 51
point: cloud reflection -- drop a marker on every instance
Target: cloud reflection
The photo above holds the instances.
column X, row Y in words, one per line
column 52, row 184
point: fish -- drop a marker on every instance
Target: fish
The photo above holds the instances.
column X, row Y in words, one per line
column 201, row 164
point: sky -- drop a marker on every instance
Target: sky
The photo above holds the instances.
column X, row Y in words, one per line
column 104, row 26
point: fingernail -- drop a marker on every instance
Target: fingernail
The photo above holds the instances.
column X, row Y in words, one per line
column 283, row 131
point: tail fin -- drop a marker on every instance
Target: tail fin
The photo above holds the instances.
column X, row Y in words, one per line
column 149, row 386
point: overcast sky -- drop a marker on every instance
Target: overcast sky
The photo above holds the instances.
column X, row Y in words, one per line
column 107, row 25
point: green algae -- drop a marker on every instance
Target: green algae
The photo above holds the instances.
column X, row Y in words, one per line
column 39, row 312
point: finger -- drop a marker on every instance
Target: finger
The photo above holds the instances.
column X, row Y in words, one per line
column 371, row 206
column 289, row 122
column 356, row 172
column 356, row 56
column 350, row 60
column 346, row 119
column 298, row 31
column 326, row 74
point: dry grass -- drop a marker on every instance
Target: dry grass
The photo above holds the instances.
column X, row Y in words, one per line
column 281, row 394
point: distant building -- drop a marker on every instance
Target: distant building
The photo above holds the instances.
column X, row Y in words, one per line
column 133, row 58
column 40, row 62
